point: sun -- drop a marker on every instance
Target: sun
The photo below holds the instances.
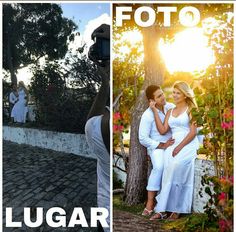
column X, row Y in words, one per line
column 189, row 52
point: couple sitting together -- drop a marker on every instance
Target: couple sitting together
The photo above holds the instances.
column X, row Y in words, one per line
column 170, row 137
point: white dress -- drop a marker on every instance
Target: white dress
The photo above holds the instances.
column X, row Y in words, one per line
column 20, row 109
column 178, row 177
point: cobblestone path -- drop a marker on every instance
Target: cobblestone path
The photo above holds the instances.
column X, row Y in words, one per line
column 128, row 222
column 35, row 177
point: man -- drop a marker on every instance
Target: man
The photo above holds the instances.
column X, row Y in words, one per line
column 97, row 130
column 13, row 99
column 155, row 143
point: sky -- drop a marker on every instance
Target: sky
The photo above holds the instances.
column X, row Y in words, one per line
column 82, row 13
column 87, row 16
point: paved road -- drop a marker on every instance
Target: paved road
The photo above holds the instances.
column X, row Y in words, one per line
column 35, row 177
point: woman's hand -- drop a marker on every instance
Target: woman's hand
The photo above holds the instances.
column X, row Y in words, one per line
column 176, row 151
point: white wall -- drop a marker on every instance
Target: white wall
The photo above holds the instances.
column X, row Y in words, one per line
column 202, row 167
column 64, row 142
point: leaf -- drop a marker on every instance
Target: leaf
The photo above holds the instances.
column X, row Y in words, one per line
column 208, row 190
column 212, row 113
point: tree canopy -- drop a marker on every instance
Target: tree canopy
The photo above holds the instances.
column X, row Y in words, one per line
column 31, row 31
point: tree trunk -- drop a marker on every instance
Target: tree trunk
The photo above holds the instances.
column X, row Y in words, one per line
column 135, row 191
column 137, row 169
column 10, row 63
column 153, row 63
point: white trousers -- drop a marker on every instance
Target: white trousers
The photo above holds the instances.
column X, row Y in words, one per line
column 154, row 180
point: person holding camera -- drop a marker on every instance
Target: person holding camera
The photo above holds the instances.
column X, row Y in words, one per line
column 97, row 128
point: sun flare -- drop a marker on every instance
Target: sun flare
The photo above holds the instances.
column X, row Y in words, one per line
column 189, row 52
column 129, row 39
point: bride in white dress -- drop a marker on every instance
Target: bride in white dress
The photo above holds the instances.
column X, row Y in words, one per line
column 20, row 108
column 176, row 193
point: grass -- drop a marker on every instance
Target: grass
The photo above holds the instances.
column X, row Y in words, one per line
column 120, row 205
column 196, row 222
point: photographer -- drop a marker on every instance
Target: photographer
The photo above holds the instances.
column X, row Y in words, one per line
column 97, row 128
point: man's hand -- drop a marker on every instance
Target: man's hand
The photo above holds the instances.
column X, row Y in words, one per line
column 166, row 144
column 169, row 142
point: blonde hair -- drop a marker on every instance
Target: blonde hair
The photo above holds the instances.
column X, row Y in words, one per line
column 188, row 93
column 22, row 85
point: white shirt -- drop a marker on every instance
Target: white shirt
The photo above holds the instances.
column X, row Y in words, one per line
column 149, row 136
column 13, row 98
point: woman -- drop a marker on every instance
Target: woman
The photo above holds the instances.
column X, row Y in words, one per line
column 20, row 109
column 177, row 182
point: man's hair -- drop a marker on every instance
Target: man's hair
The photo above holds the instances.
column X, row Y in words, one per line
column 150, row 90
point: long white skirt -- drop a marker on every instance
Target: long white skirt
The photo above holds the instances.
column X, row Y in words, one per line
column 19, row 112
column 178, row 178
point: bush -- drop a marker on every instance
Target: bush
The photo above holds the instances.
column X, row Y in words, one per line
column 5, row 101
column 60, row 107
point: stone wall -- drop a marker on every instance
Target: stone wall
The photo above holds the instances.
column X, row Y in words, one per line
column 64, row 142
column 202, row 167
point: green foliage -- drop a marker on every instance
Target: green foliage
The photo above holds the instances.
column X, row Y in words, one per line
column 128, row 70
column 219, row 208
column 192, row 223
column 119, row 204
column 215, row 100
column 128, row 77
column 34, row 30
column 80, row 71
column 61, row 106
column 215, row 115
column 5, row 100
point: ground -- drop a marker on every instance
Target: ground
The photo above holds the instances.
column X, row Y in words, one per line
column 35, row 177
column 126, row 221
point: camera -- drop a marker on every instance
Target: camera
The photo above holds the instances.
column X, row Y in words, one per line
column 99, row 52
